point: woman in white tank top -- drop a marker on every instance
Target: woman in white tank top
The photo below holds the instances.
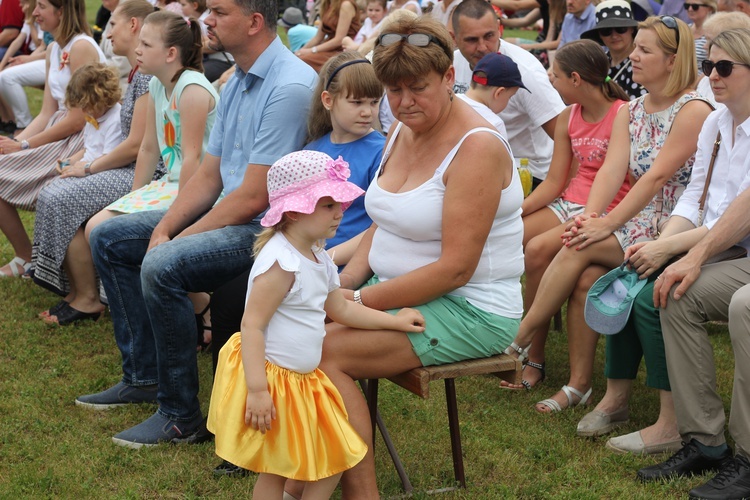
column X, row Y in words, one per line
column 447, row 234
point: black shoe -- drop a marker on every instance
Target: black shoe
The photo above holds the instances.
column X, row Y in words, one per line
column 687, row 461
column 228, row 469
column 731, row 483
column 200, row 435
column 8, row 128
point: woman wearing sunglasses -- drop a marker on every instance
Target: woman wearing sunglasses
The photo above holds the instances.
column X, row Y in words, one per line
column 447, row 233
column 699, row 11
column 728, row 69
column 719, row 23
column 654, row 141
column 615, row 28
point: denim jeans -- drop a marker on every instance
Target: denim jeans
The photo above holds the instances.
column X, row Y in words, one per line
column 148, row 297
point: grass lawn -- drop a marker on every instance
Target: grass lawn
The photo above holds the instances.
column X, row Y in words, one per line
column 49, row 448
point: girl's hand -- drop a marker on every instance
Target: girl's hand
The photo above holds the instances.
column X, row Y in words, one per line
column 75, row 170
column 574, row 225
column 648, row 257
column 259, row 410
column 409, row 320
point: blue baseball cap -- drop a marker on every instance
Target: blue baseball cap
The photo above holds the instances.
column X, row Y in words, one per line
column 497, row 70
column 610, row 299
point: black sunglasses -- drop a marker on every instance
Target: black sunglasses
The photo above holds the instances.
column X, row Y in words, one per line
column 621, row 30
column 694, row 6
column 416, row 39
column 671, row 23
column 723, row 68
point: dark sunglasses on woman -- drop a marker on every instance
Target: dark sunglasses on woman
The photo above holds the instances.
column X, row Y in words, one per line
column 723, row 68
column 694, row 6
column 620, row 30
column 671, row 23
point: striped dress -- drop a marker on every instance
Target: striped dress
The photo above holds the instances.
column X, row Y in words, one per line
column 24, row 173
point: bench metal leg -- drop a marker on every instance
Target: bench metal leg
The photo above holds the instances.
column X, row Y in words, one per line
column 370, row 388
column 455, row 431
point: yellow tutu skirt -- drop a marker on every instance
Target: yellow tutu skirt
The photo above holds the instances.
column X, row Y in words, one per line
column 310, row 439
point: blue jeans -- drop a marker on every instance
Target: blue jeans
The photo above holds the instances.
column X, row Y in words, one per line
column 148, row 299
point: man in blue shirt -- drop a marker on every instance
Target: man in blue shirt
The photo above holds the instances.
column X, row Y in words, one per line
column 149, row 261
column 581, row 17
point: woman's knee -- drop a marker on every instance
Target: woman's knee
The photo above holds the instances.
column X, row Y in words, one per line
column 539, row 252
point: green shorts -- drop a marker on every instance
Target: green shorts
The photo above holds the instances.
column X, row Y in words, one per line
column 455, row 331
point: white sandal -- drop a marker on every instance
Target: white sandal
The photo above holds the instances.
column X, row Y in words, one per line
column 18, row 267
column 569, row 393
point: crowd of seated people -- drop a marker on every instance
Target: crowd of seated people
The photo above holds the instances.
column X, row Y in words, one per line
column 154, row 214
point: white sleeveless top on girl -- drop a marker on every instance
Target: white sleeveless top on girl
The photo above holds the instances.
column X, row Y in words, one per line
column 294, row 336
column 409, row 236
column 59, row 67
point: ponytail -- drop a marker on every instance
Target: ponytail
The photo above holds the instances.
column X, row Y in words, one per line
column 613, row 91
column 183, row 34
column 587, row 58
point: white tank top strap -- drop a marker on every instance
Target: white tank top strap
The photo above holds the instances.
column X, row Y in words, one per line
column 388, row 147
column 452, row 153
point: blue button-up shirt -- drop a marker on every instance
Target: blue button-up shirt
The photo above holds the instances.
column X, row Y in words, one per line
column 262, row 114
column 573, row 26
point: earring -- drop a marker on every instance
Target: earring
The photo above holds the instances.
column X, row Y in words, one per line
column 450, row 94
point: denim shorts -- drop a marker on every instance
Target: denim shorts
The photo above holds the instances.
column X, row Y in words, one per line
column 455, row 331
column 565, row 210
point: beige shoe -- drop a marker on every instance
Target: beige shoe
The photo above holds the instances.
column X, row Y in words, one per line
column 633, row 443
column 598, row 423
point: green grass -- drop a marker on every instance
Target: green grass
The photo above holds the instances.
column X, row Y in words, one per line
column 49, row 448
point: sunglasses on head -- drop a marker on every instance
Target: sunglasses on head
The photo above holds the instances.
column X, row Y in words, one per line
column 620, row 30
column 416, row 39
column 723, row 68
column 694, row 6
column 671, row 23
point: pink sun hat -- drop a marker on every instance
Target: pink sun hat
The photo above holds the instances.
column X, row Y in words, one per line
column 297, row 181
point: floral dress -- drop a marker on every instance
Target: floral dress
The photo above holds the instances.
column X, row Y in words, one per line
column 159, row 194
column 648, row 131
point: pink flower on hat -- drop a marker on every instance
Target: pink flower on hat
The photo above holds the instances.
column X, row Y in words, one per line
column 338, row 169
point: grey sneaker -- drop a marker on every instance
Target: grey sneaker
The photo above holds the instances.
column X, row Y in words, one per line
column 120, row 394
column 157, row 429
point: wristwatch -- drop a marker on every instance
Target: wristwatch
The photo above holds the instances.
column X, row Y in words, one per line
column 87, row 169
column 25, row 145
column 314, row 50
column 358, row 297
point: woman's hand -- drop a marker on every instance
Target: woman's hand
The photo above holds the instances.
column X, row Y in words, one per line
column 9, row 146
column 75, row 170
column 648, row 257
column 409, row 320
column 259, row 410
column 15, row 61
column 586, row 230
column 303, row 52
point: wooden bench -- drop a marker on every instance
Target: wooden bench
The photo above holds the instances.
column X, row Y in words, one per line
column 418, row 381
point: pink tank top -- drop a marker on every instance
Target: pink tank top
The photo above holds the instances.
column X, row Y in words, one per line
column 589, row 142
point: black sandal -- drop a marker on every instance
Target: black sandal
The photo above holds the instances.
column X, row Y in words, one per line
column 67, row 315
column 538, row 366
column 52, row 311
column 200, row 324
